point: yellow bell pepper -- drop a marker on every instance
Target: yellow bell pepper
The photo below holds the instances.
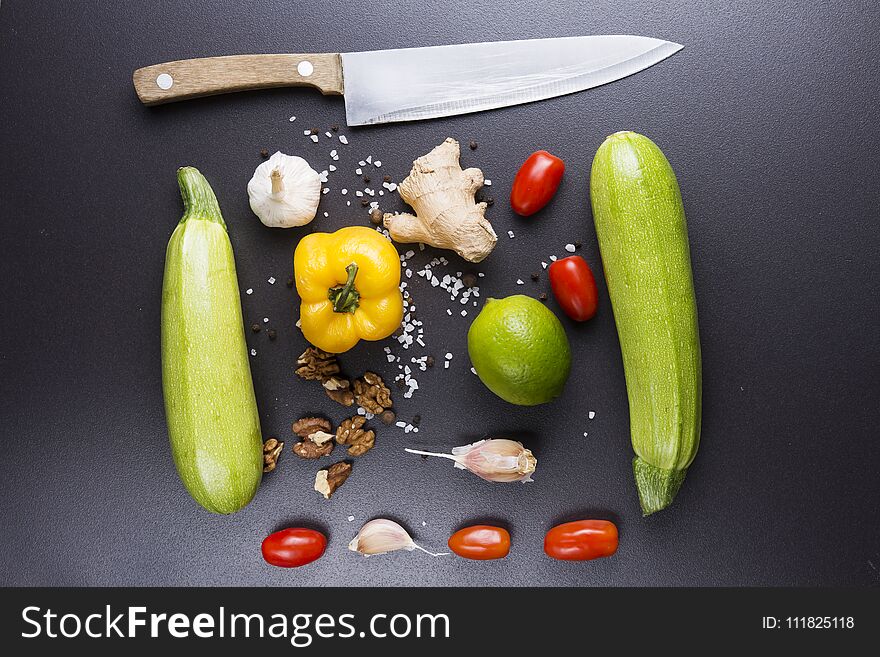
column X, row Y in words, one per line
column 348, row 282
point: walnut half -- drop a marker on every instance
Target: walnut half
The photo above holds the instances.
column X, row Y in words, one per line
column 352, row 433
column 372, row 393
column 315, row 441
column 327, row 481
column 315, row 364
column 339, row 390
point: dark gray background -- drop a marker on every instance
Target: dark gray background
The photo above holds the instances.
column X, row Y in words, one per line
column 769, row 118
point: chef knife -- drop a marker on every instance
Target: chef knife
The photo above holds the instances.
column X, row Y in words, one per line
column 409, row 84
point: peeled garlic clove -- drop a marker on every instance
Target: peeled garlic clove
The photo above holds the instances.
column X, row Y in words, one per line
column 285, row 191
column 496, row 459
column 381, row 536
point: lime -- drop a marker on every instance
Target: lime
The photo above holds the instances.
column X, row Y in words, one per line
column 519, row 350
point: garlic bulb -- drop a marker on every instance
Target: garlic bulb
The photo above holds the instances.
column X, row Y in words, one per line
column 285, row 191
column 496, row 459
column 380, row 536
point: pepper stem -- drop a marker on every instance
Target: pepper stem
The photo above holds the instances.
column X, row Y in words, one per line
column 277, row 181
column 345, row 298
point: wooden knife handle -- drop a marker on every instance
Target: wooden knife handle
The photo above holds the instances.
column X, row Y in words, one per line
column 193, row 78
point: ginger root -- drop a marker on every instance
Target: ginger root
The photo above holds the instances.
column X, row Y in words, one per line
column 443, row 197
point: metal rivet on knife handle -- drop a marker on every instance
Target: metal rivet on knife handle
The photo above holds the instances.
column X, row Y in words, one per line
column 193, row 78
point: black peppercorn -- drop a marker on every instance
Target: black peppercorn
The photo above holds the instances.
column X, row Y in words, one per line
column 386, row 178
column 364, row 202
column 255, row 328
column 469, row 279
column 534, row 277
column 490, row 201
column 272, row 334
column 543, row 296
column 290, row 281
column 473, row 145
column 429, row 361
column 264, row 153
column 417, row 420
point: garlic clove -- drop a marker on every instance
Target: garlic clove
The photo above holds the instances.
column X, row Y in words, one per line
column 496, row 459
column 284, row 191
column 381, row 536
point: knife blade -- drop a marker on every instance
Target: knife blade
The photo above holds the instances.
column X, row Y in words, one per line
column 409, row 84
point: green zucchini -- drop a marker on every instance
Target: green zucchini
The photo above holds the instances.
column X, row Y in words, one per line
column 643, row 241
column 210, row 407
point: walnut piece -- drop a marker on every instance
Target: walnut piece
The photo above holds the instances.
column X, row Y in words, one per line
column 372, row 393
column 316, row 365
column 339, row 390
column 327, row 481
column 271, row 451
column 352, row 433
column 315, row 441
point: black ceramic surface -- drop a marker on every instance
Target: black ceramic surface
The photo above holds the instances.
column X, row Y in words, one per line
column 769, row 118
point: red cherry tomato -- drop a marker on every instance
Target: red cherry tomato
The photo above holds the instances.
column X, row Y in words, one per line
column 293, row 547
column 581, row 540
column 574, row 287
column 536, row 182
column 481, row 542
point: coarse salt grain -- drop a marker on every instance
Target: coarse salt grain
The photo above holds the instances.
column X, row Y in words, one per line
column 464, row 313
column 377, row 163
column 314, row 138
column 326, row 214
column 343, row 139
column 333, row 153
column 329, row 136
column 487, row 182
column 271, row 280
column 362, row 163
column 553, row 258
column 520, row 281
column 344, row 191
column 544, row 264
column 326, row 190
column 350, row 518
column 473, row 371
column 265, row 320
column 358, row 171
column 569, row 248
column 307, row 132
column 332, row 167
column 292, row 119
column 591, row 414
column 253, row 352
column 250, row 290
column 510, row 234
